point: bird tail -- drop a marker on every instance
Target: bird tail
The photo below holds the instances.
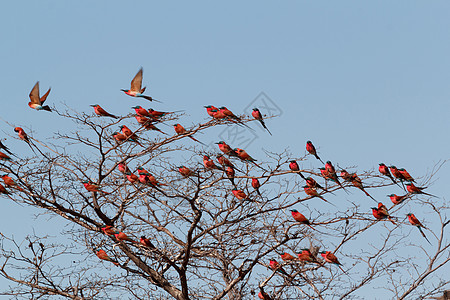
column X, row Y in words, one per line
column 317, row 156
column 149, row 98
column 365, row 192
column 430, row 195
column 423, row 234
column 46, row 107
column 390, row 219
column 301, row 175
column 264, row 125
column 194, row 139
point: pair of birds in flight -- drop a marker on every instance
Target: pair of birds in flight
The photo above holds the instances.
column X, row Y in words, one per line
column 136, row 90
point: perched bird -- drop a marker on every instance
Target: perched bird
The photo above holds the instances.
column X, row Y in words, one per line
column 329, row 257
column 136, row 89
column 293, row 165
column 357, row 182
column 312, row 150
column 120, row 236
column 2, row 146
column 130, row 135
column 410, row 187
column 218, row 114
column 244, row 155
column 101, row 112
column 141, row 111
column 331, row 171
column 313, row 184
column 22, row 135
column 274, row 265
column 286, row 256
column 180, row 130
column 186, row 172
column 256, row 185
column 132, row 177
column 415, row 222
column 240, row 194
column 313, row 193
column 396, row 173
column 299, row 217
column 346, row 175
column 258, row 116
column 10, row 182
column 109, row 230
column 92, row 187
column 383, row 169
column 225, row 162
column 381, row 213
column 36, row 101
column 102, row 255
column 159, row 114
column 3, row 190
column 230, row 174
column 209, row 163
column 398, row 199
column 306, row 256
column 146, row 242
column 210, row 109
column 225, row 148
column 406, row 175
column 123, row 168
column 119, row 137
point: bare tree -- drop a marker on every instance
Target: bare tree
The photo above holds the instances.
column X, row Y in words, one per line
column 184, row 229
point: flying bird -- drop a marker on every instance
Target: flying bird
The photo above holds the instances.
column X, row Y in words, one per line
column 136, row 89
column 36, row 101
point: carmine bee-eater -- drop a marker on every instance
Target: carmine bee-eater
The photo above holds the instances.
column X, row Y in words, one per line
column 2, row 146
column 109, row 230
column 119, row 137
column 256, row 185
column 329, row 257
column 230, row 174
column 180, row 130
column 306, row 256
column 120, row 236
column 142, row 171
column 130, row 135
column 240, row 194
column 209, row 163
column 225, row 162
column 346, row 175
column 274, row 265
column 10, row 182
column 146, row 242
column 3, row 156
column 398, row 199
column 286, row 256
column 299, row 217
column 381, row 213
column 123, row 168
column 102, row 255
column 312, row 150
column 209, row 110
column 242, row 154
column 313, row 193
column 150, row 126
column 225, row 148
column 101, row 112
column 415, row 222
column 3, row 190
column 258, row 116
column 92, row 187
column 22, row 134
column 293, row 165
column 144, row 121
column 136, row 89
column 141, row 111
column 132, row 177
column 396, row 173
column 36, row 101
column 410, row 187
column 331, row 171
column 406, row 175
column 186, row 172
column 218, row 114
column 383, row 169
column 357, row 182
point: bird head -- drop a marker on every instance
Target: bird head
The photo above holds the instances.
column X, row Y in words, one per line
column 142, row 237
column 207, row 106
column 391, row 195
column 309, row 142
column 136, row 107
column 374, row 208
column 220, row 143
column 392, row 167
column 293, row 210
column 255, row 109
column 401, row 169
column 85, row 181
column 175, row 125
column 328, row 162
column 409, row 215
column 381, row 164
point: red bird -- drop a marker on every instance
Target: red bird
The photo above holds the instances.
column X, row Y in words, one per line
column 264, row 296
column 132, row 177
column 22, row 135
column 256, row 185
column 109, row 230
column 158, row 114
column 329, row 257
column 119, row 137
column 146, row 242
column 3, row 190
column 180, row 130
column 209, row 110
column 398, row 199
column 274, row 265
column 312, row 150
column 224, row 161
column 357, row 182
column 186, row 172
column 144, row 121
column 230, row 174
column 396, row 173
column 120, row 236
column 102, row 255
column 381, row 213
column 101, row 112
column 346, row 175
column 415, row 222
column 218, row 114
column 209, row 164
column 36, row 101
column 331, row 171
column 310, row 182
column 286, row 256
column 123, row 168
column 244, row 155
column 142, row 171
column 406, row 175
column 313, row 193
column 226, row 149
column 92, row 187
column 3, row 156
column 299, row 217
column 293, row 165
column 240, row 194
column 306, row 256
column 141, row 111
column 385, row 171
column 258, row 116
column 10, row 182
column 410, row 187
column 136, row 89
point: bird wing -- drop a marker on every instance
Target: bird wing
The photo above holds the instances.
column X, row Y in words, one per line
column 136, row 83
column 34, row 94
column 44, row 97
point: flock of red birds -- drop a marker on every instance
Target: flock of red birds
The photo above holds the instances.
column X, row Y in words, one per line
column 148, row 118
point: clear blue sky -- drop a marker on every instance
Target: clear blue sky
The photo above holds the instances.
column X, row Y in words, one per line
column 367, row 82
